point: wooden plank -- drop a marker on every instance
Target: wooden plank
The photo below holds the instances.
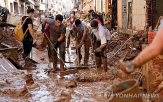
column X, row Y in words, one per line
column 36, row 55
column 4, row 24
column 82, row 67
column 6, row 45
column 6, row 65
column 13, row 51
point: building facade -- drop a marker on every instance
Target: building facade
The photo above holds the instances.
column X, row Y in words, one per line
column 97, row 5
column 18, row 6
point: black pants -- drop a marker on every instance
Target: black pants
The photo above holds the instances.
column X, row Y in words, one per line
column 27, row 44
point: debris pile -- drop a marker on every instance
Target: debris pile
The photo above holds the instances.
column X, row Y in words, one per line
column 129, row 51
column 94, row 76
column 9, row 39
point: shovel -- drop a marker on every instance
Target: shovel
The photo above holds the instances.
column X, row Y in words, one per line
column 68, row 71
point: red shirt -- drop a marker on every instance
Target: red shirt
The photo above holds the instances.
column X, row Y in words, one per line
column 47, row 30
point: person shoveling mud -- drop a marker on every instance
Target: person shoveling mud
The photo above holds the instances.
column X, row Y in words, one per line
column 57, row 37
column 102, row 37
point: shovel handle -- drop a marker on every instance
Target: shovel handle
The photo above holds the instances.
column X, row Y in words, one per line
column 56, row 51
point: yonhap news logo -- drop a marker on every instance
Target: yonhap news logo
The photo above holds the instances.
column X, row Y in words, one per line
column 109, row 95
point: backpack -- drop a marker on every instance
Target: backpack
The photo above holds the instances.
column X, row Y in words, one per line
column 18, row 31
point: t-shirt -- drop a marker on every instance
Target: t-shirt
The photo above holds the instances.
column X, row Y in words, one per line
column 55, row 32
column 47, row 30
column 82, row 25
column 102, row 34
column 25, row 26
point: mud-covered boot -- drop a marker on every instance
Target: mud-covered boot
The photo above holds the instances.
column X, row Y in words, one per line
column 85, row 62
column 104, row 60
column 98, row 62
column 61, row 67
column 54, row 63
column 68, row 43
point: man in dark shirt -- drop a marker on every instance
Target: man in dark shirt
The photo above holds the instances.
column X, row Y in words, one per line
column 57, row 37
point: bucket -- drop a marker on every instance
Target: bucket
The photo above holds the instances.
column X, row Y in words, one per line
column 126, row 91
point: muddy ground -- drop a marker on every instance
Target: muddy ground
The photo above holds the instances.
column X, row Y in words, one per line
column 34, row 84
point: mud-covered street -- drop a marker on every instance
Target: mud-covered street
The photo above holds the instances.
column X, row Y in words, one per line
column 35, row 83
column 81, row 51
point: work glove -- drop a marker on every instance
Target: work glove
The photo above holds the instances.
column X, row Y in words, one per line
column 43, row 28
column 127, row 67
column 80, row 45
column 56, row 44
column 98, row 49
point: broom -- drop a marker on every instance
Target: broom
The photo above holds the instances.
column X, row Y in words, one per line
column 68, row 71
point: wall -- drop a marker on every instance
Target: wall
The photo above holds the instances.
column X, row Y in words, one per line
column 91, row 5
column 20, row 6
column 103, row 5
column 119, row 13
column 122, row 14
column 49, row 4
column 138, row 14
column 98, row 5
column 106, row 6
column 80, row 5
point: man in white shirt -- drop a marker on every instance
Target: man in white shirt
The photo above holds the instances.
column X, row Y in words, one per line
column 103, row 36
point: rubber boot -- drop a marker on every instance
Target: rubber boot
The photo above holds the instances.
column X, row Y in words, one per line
column 86, row 56
column 105, row 64
column 85, row 62
column 61, row 66
column 49, row 54
column 98, row 62
column 68, row 43
column 27, row 61
column 54, row 63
